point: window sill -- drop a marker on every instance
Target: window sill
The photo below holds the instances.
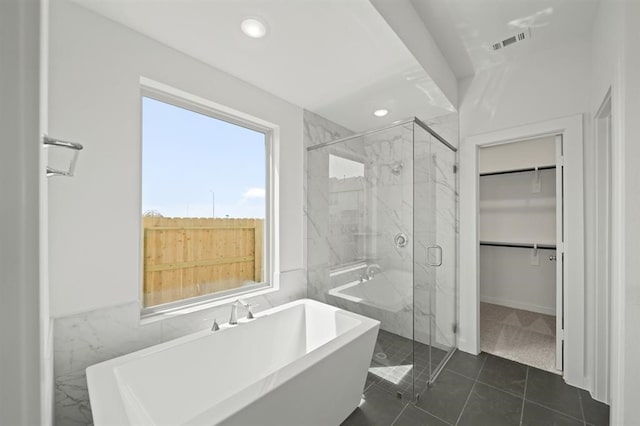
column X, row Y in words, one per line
column 152, row 317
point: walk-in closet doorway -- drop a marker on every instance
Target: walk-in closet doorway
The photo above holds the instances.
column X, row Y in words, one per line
column 573, row 291
column 520, row 221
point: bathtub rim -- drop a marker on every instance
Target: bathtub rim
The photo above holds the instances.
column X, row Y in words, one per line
column 102, row 382
column 339, row 293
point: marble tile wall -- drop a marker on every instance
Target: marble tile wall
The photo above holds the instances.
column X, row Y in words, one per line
column 318, row 130
column 88, row 338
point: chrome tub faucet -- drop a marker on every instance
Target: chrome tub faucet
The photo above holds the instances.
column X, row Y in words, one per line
column 372, row 271
column 234, row 311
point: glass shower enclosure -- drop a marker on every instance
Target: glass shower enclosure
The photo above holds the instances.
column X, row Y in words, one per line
column 382, row 242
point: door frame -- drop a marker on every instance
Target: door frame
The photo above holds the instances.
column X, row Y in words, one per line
column 571, row 129
column 560, row 238
column 603, row 249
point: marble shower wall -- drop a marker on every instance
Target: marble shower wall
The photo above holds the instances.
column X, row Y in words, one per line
column 91, row 337
column 318, row 130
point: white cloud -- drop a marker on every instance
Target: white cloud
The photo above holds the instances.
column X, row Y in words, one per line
column 254, row 193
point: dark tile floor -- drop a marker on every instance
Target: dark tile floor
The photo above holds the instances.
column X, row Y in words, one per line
column 471, row 390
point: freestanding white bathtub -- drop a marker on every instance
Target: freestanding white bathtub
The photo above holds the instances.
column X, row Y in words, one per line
column 302, row 363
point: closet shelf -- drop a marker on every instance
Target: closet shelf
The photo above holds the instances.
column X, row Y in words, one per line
column 530, row 169
column 517, row 244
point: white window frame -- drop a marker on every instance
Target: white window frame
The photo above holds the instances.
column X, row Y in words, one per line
column 181, row 99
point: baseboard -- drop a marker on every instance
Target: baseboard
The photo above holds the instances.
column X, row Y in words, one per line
column 519, row 305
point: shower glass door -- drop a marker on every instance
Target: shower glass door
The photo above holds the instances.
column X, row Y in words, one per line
column 435, row 255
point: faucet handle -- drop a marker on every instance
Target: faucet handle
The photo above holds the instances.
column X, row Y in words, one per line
column 215, row 326
column 248, row 306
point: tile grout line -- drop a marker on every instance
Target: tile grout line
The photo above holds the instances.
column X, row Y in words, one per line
column 554, row 410
column 584, row 418
column 466, row 402
column 431, row 414
column 471, row 391
column 500, row 389
column 524, row 395
column 399, row 414
column 481, row 368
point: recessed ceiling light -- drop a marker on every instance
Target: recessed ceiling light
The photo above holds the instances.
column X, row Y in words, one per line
column 253, row 28
column 380, row 112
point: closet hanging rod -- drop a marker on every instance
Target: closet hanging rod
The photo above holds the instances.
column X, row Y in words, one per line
column 531, row 169
column 518, row 245
column 58, row 142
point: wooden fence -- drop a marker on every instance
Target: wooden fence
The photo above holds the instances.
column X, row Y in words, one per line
column 188, row 257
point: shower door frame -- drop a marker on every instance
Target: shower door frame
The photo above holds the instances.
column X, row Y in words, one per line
column 435, row 373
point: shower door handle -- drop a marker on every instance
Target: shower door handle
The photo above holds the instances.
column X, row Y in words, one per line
column 438, row 252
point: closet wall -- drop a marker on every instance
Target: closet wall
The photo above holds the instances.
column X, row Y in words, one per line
column 518, row 208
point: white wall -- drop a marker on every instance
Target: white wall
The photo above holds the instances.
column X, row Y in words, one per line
column 538, row 87
column 511, row 212
column 508, row 278
column 616, row 67
column 406, row 23
column 20, row 354
column 95, row 69
column 526, row 154
column 632, row 218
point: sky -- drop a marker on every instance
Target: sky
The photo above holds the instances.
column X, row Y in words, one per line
column 186, row 156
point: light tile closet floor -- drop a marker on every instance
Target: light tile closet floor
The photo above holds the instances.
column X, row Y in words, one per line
column 522, row 336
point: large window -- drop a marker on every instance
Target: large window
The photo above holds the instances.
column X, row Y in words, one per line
column 205, row 192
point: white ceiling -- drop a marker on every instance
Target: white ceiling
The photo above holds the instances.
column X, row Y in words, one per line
column 466, row 29
column 337, row 58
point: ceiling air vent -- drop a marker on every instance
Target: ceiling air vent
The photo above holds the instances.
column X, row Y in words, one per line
column 524, row 35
